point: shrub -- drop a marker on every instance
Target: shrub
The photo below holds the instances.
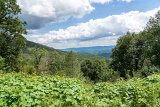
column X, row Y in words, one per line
column 29, row 69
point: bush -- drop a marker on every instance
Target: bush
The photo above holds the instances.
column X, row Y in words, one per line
column 29, row 69
column 146, row 71
column 110, row 76
column 35, row 91
column 133, row 93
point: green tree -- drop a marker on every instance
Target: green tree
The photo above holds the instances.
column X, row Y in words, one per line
column 56, row 62
column 11, row 31
column 136, row 50
column 38, row 55
column 95, row 70
column 152, row 42
column 121, row 58
column 72, row 66
column 25, row 64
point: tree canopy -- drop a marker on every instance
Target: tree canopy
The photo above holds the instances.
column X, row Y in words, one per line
column 11, row 33
column 135, row 51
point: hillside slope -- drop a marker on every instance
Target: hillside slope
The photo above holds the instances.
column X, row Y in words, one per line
column 80, row 56
column 31, row 44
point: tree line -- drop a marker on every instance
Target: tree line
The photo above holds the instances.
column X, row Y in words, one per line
column 138, row 52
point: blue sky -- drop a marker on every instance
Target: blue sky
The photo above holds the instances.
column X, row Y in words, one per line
column 82, row 23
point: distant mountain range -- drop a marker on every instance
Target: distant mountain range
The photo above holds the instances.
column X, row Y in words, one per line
column 105, row 51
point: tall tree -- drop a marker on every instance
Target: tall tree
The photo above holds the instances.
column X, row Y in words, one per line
column 121, row 58
column 72, row 65
column 153, row 39
column 11, row 31
column 136, row 51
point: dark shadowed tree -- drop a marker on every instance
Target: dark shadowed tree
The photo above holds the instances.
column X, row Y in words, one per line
column 95, row 70
column 152, row 42
column 11, row 31
column 121, row 58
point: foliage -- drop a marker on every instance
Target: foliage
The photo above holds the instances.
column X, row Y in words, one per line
column 23, row 90
column 11, row 31
column 134, row 52
column 38, row 55
column 1, row 63
column 46, row 91
column 133, row 93
column 121, row 58
column 72, row 66
column 95, row 70
column 56, row 62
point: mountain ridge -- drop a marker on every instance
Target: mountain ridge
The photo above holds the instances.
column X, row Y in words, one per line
column 105, row 51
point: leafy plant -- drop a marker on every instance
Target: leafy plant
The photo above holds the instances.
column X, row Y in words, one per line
column 18, row 90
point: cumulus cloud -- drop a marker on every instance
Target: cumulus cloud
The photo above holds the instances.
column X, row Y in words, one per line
column 110, row 26
column 38, row 13
column 101, row 1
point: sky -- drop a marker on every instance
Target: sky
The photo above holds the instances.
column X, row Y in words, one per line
column 83, row 23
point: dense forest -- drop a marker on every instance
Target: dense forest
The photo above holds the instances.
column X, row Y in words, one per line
column 32, row 74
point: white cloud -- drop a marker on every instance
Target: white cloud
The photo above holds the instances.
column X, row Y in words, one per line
column 110, row 26
column 101, row 1
column 106, row 41
column 38, row 13
column 55, row 8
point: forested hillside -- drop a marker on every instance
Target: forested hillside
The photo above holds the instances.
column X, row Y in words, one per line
column 30, row 44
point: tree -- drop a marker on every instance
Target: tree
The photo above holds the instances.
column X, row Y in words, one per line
column 72, row 66
column 94, row 69
column 121, row 58
column 153, row 39
column 25, row 64
column 136, row 50
column 11, row 31
column 56, row 62
column 38, row 55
